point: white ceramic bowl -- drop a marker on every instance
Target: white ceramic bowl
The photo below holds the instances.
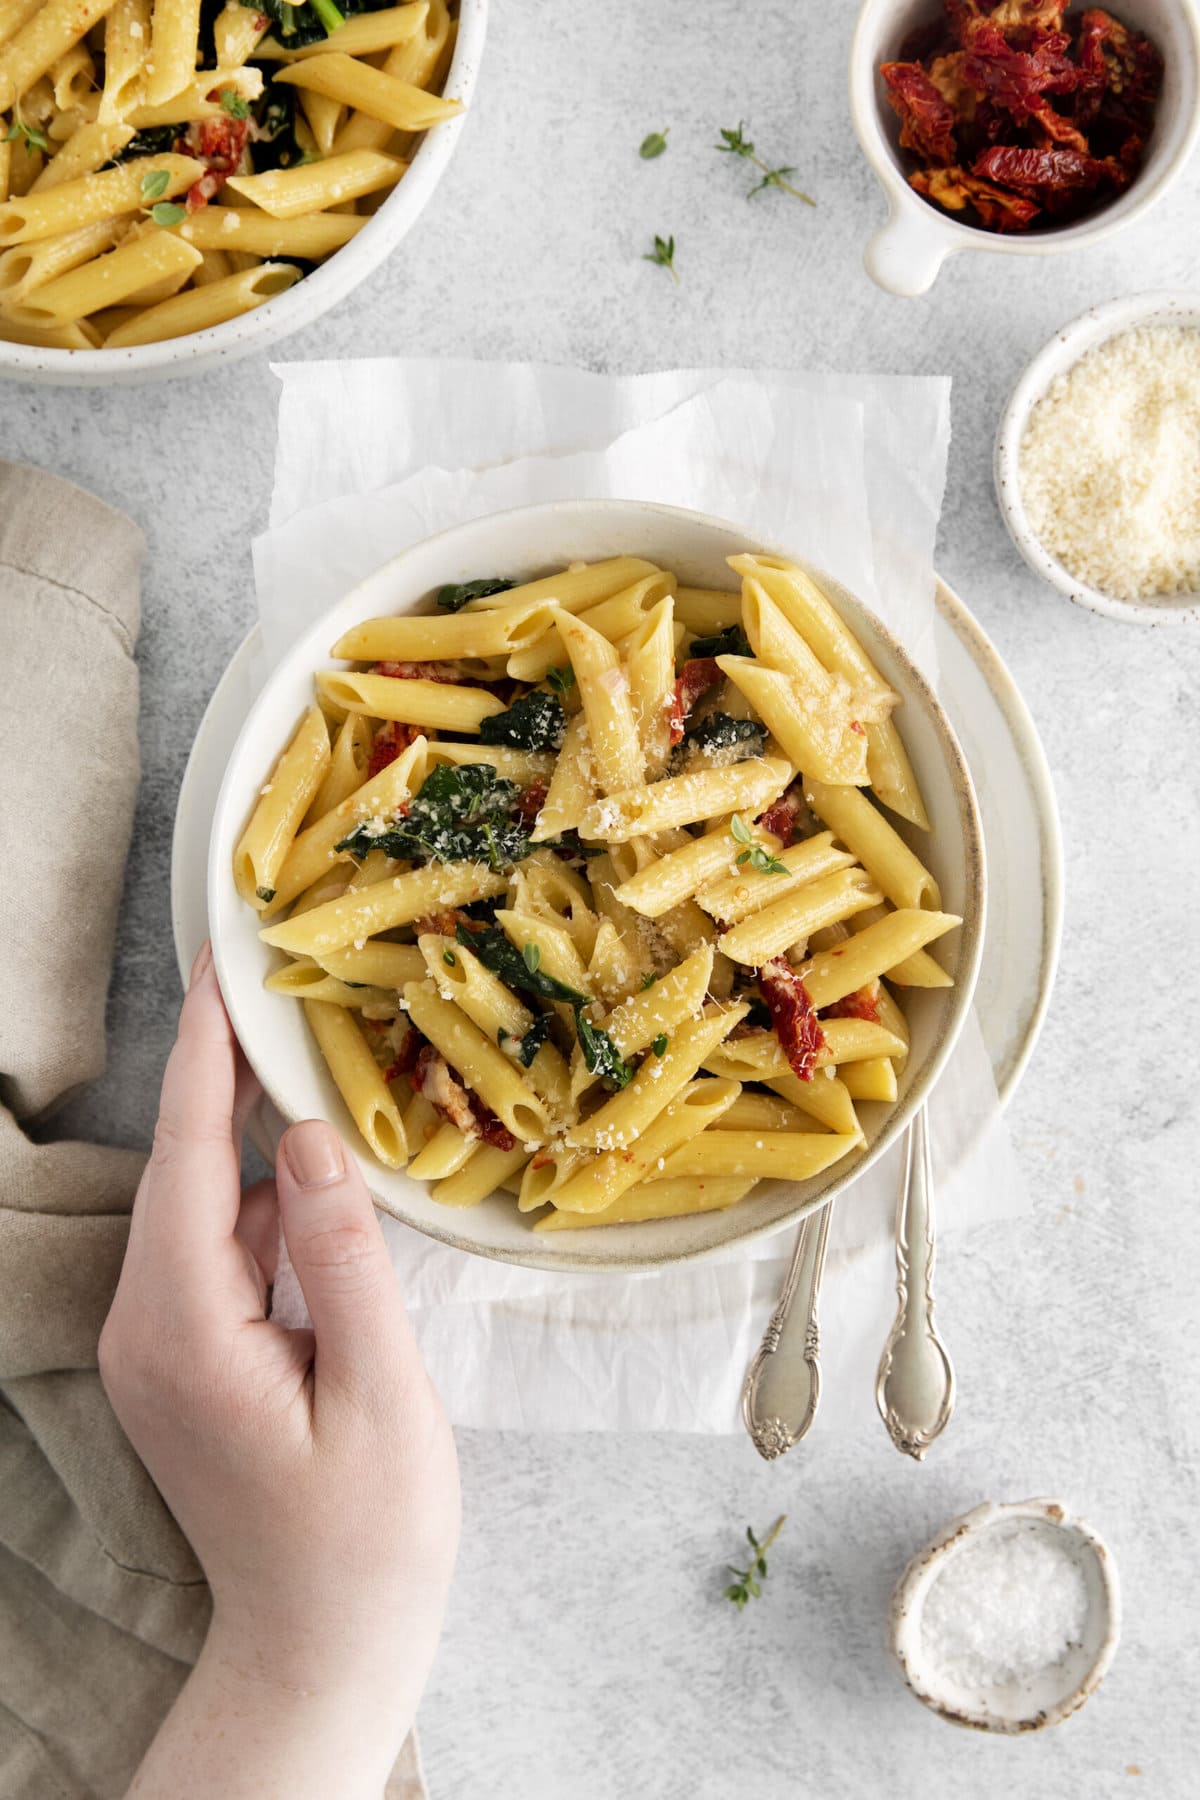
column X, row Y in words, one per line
column 906, row 254
column 1050, row 1694
column 308, row 299
column 1092, row 328
column 529, row 542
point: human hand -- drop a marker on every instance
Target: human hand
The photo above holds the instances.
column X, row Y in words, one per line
column 313, row 1471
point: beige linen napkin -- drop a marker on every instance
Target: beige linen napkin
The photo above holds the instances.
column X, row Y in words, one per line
column 102, row 1605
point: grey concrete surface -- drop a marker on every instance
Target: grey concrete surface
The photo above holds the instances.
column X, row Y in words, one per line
column 587, row 1654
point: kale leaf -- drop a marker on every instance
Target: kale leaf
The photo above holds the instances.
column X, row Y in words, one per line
column 506, row 961
column 460, row 815
column 529, row 1045
column 155, row 140
column 718, row 731
column 455, row 597
column 730, row 642
column 601, row 1054
column 535, row 723
column 298, row 25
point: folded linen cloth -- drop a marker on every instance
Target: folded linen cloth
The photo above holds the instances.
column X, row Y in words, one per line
column 103, row 1606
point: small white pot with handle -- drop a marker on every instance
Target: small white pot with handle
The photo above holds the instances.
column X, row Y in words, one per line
column 906, row 254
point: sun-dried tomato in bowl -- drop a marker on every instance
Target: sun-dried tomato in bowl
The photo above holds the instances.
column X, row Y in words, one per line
column 1020, row 112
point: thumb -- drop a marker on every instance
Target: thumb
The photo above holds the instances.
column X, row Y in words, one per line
column 338, row 1253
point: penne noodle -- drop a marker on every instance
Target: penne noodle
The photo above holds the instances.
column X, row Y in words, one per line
column 359, row 1081
column 440, row 705
column 311, row 187
column 355, row 917
column 880, row 849
column 687, row 799
column 355, row 84
column 282, row 804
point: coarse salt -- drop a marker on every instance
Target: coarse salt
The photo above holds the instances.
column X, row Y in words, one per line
column 1004, row 1607
column 1110, row 464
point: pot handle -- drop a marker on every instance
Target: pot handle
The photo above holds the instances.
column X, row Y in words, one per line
column 906, row 255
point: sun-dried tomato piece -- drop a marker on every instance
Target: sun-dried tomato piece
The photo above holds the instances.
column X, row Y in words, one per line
column 387, row 744
column 432, row 1077
column 700, row 673
column 410, row 1050
column 1055, row 177
column 956, row 189
column 863, row 1003
column 416, row 671
column 783, row 815
column 792, row 1014
column 926, row 117
column 530, row 801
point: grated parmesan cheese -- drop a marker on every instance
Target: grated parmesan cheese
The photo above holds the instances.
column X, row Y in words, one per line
column 1110, row 465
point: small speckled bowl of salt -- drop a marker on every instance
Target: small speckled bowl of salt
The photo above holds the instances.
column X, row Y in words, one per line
column 1009, row 1619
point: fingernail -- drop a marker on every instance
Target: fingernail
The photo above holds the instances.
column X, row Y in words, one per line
column 313, row 1154
column 203, row 958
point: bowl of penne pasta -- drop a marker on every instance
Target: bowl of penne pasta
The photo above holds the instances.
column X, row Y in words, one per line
column 182, row 183
column 615, row 886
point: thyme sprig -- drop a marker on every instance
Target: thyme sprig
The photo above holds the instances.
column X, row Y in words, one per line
column 736, row 143
column 747, row 1583
column 663, row 255
column 757, row 855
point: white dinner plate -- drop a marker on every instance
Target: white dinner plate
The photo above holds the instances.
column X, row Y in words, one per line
column 1012, row 781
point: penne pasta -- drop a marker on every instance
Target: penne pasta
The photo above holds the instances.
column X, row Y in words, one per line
column 282, row 804
column 311, row 187
column 359, row 1081
column 203, row 307
column 356, row 84
column 615, row 976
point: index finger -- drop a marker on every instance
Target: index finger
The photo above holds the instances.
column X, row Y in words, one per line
column 191, row 1190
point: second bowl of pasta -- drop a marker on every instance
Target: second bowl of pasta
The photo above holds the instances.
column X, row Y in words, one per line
column 179, row 184
column 616, row 886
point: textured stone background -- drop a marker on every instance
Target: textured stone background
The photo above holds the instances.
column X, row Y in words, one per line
column 587, row 1654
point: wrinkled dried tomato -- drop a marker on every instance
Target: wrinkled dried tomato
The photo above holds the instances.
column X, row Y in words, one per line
column 926, row 118
column 700, row 674
column 792, row 1014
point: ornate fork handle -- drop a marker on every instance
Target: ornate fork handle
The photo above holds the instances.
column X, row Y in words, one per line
column 783, row 1382
column 915, row 1388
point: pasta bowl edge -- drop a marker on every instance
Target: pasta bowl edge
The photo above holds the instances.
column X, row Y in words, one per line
column 309, row 299
column 525, row 543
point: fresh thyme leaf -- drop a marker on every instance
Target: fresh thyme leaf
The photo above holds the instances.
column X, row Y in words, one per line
column 730, row 642
column 506, row 961
column 463, row 814
column 456, row 596
column 659, row 1046
column 747, row 1583
column 536, row 722
column 740, row 829
column 265, row 894
column 766, row 864
column 600, row 1053
column 648, row 981
column 35, row 138
column 653, row 145
column 663, row 255
column 533, row 958
column 736, row 143
column 167, row 213
column 155, row 184
column 561, row 680
column 233, row 103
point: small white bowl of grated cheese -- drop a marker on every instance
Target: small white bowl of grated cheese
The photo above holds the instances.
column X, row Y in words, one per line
column 1097, row 460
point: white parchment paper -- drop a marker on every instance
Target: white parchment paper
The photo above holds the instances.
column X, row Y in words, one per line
column 374, row 456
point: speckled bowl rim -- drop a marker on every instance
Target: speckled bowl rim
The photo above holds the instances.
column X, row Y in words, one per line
column 591, row 1259
column 1070, row 342
column 904, row 1616
column 311, row 297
